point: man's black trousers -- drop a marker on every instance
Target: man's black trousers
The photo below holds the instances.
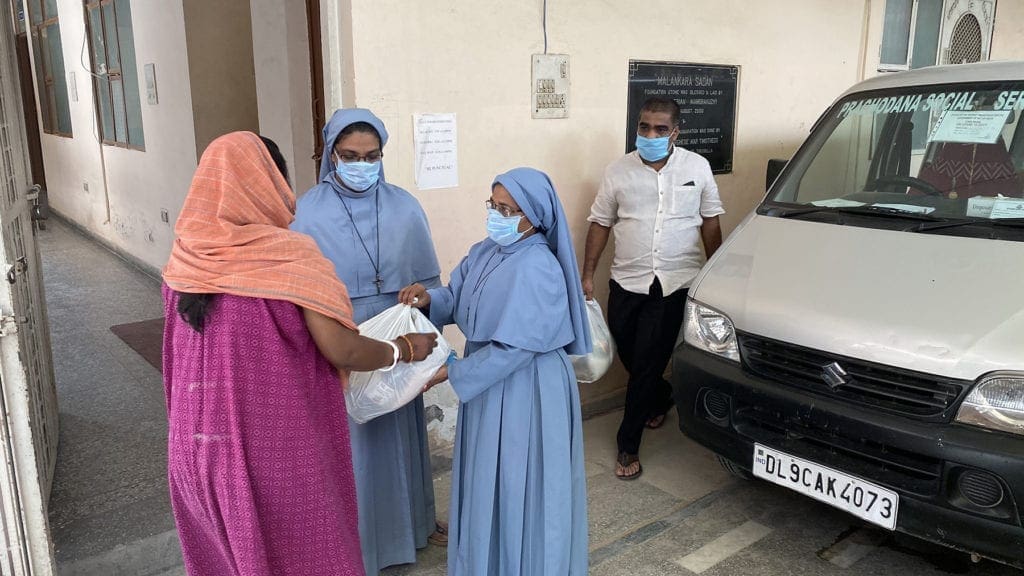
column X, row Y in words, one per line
column 645, row 328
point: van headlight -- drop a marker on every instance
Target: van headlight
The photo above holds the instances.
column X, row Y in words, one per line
column 996, row 402
column 710, row 331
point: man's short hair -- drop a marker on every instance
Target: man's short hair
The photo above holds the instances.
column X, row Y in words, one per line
column 661, row 104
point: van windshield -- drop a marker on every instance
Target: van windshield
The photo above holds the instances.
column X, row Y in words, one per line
column 944, row 157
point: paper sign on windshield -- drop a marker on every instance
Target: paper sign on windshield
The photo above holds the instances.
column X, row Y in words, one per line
column 913, row 208
column 970, row 126
column 837, row 203
column 980, row 206
column 1008, row 208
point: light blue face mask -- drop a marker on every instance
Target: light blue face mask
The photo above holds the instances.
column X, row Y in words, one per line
column 504, row 230
column 652, row 149
column 359, row 176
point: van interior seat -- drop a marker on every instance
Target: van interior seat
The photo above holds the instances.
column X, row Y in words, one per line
column 961, row 170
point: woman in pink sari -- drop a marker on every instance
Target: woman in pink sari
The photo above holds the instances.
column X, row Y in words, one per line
column 258, row 342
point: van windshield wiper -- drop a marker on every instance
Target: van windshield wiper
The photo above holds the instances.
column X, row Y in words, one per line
column 1010, row 222
column 799, row 211
column 867, row 209
column 1013, row 222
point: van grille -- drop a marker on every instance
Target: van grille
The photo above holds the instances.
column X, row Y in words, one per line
column 833, row 446
column 893, row 389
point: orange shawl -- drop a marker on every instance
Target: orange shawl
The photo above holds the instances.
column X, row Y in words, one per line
column 233, row 236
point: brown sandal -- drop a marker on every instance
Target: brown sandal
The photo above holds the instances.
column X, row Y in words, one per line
column 440, row 535
column 624, row 461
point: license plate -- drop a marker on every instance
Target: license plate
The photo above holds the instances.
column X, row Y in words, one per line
column 862, row 499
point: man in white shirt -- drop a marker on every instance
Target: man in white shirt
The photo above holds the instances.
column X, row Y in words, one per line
column 662, row 202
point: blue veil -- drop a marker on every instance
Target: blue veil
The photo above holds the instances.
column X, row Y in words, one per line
column 535, row 194
column 409, row 256
column 340, row 120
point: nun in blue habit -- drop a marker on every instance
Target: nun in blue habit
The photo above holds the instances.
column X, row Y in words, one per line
column 377, row 236
column 519, row 501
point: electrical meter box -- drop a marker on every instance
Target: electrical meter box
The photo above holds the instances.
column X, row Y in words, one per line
column 550, row 86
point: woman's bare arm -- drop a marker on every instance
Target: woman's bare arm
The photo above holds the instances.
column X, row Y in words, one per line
column 347, row 350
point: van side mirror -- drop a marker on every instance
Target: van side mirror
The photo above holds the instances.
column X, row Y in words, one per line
column 775, row 166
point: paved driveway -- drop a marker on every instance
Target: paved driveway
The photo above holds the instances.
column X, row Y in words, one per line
column 686, row 516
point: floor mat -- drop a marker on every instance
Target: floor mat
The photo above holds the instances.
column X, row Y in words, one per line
column 146, row 338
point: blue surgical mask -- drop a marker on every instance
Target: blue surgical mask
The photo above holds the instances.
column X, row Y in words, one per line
column 359, row 176
column 652, row 149
column 504, row 230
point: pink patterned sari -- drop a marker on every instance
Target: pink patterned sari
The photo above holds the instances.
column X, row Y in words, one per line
column 259, row 461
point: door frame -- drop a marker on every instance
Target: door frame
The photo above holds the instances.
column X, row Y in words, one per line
column 25, row 470
column 316, row 75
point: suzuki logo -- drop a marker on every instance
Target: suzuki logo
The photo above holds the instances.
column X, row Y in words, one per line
column 834, row 375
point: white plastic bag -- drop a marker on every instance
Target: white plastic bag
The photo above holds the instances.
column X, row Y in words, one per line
column 591, row 367
column 371, row 394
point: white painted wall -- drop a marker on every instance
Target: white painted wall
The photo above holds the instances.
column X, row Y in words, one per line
column 135, row 185
column 336, row 34
column 1008, row 33
column 283, row 84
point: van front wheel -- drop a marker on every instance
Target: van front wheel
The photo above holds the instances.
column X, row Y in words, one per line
column 734, row 469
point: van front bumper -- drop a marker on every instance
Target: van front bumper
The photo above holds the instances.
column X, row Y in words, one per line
column 937, row 468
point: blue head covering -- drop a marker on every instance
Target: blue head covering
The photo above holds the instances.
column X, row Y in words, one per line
column 343, row 118
column 346, row 229
column 533, row 191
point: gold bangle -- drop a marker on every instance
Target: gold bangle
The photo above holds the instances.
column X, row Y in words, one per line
column 412, row 353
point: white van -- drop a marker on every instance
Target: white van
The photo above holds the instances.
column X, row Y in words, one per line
column 860, row 337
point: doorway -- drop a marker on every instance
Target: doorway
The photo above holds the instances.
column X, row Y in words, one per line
column 316, row 74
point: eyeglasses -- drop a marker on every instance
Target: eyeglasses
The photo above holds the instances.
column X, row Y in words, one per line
column 371, row 157
column 505, row 211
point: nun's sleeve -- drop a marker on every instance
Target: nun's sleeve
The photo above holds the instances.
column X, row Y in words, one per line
column 484, row 368
column 442, row 298
column 529, row 320
column 430, row 284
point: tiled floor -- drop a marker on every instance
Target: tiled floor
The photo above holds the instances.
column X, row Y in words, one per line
column 110, row 486
column 686, row 516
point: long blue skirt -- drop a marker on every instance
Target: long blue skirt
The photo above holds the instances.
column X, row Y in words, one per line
column 394, row 482
column 519, row 497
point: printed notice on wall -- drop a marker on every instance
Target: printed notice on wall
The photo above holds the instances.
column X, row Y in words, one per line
column 435, row 147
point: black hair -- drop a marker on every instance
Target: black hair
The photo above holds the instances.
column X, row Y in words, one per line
column 275, row 153
column 364, row 127
column 662, row 104
column 193, row 307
